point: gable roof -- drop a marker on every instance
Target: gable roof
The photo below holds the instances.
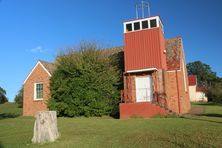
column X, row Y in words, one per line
column 173, row 51
column 201, row 89
column 192, row 80
column 48, row 67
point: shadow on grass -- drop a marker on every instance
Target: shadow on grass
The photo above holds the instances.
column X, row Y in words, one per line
column 211, row 115
column 197, row 112
column 8, row 115
column 1, row 146
column 208, row 104
column 201, row 119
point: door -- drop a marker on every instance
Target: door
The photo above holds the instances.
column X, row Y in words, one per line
column 144, row 89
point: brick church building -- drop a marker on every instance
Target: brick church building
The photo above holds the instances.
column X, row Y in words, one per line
column 155, row 75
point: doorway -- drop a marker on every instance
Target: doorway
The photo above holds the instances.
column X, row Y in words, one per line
column 144, row 89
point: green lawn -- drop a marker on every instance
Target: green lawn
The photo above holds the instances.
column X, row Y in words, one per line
column 9, row 110
column 202, row 130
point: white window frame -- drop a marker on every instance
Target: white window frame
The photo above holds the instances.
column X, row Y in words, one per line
column 126, row 28
column 142, row 24
column 158, row 21
column 134, row 26
column 35, row 93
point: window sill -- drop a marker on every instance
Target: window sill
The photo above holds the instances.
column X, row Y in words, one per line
column 38, row 99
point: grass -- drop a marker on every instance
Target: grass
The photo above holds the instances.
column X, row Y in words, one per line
column 202, row 130
column 211, row 109
column 9, row 110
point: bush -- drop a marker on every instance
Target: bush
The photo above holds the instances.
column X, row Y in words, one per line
column 85, row 83
column 215, row 93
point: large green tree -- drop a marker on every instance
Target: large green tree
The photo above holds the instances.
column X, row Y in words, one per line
column 205, row 76
column 3, row 97
column 85, row 83
column 19, row 97
column 208, row 79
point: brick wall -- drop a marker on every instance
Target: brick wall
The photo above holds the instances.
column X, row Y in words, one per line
column 141, row 109
column 177, row 89
column 129, row 89
column 185, row 101
column 31, row 106
column 171, row 91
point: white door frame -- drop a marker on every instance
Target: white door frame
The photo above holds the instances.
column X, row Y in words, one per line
column 144, row 90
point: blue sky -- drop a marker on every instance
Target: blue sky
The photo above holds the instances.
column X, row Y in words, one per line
column 38, row 29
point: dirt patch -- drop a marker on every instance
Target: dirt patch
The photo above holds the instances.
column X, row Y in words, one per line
column 197, row 111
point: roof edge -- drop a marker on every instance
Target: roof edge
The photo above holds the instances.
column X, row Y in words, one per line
column 38, row 63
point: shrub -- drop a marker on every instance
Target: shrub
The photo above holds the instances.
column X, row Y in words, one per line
column 85, row 83
column 19, row 98
column 3, row 97
column 215, row 93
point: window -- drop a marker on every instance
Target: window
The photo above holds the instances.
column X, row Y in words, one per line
column 137, row 26
column 144, row 24
column 128, row 27
column 153, row 23
column 38, row 92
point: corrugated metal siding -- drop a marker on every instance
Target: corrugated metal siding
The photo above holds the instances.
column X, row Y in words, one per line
column 144, row 49
column 162, row 48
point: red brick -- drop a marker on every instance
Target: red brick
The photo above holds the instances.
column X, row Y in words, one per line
column 31, row 106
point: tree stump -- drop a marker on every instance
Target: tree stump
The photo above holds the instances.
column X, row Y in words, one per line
column 45, row 128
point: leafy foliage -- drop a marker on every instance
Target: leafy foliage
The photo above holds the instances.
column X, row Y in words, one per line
column 19, row 97
column 85, row 83
column 3, row 97
column 205, row 75
column 208, row 79
column 215, row 93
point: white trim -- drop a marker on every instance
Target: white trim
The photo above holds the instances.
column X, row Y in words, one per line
column 34, row 69
column 173, row 70
column 45, row 69
column 184, row 67
column 158, row 22
column 39, row 99
column 141, row 70
column 184, row 75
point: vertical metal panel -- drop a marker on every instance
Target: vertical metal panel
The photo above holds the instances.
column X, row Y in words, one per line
column 163, row 50
column 144, row 49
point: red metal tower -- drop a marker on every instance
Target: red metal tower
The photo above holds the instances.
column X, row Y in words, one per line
column 144, row 44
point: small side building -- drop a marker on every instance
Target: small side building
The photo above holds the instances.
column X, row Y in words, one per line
column 197, row 94
column 36, row 88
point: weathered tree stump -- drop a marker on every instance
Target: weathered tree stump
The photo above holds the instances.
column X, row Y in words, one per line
column 45, row 128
